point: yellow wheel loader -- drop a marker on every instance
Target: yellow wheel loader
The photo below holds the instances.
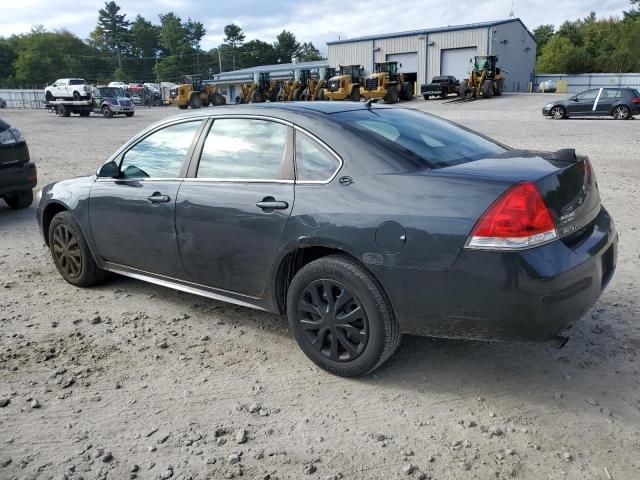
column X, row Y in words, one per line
column 345, row 85
column 195, row 93
column 261, row 90
column 485, row 79
column 316, row 86
column 387, row 84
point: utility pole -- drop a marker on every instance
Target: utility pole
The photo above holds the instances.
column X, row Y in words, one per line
column 219, row 60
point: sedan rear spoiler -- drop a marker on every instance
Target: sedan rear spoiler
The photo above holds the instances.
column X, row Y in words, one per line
column 565, row 155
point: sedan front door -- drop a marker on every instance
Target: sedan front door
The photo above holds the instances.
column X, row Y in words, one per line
column 582, row 103
column 133, row 216
column 231, row 216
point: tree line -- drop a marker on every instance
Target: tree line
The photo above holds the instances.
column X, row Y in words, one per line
column 137, row 50
column 589, row 45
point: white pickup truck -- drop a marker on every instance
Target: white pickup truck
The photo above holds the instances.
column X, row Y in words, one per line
column 68, row 89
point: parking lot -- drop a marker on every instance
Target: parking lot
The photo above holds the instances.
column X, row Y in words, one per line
column 132, row 379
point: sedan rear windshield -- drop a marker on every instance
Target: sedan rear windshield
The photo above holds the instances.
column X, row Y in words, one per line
column 433, row 142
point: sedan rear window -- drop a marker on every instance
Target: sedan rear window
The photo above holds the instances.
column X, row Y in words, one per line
column 436, row 143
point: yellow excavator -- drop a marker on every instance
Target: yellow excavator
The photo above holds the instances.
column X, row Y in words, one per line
column 386, row 83
column 317, row 85
column 345, row 85
column 485, row 79
column 194, row 93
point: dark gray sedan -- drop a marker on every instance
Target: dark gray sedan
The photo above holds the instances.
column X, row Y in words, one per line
column 619, row 103
column 359, row 222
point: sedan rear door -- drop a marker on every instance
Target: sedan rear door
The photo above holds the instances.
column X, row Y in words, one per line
column 232, row 211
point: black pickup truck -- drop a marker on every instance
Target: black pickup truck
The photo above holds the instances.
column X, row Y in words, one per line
column 440, row 87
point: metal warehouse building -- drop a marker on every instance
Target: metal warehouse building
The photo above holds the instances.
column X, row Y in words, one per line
column 445, row 51
column 230, row 82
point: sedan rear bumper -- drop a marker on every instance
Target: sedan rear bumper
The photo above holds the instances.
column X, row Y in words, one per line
column 527, row 295
column 18, row 178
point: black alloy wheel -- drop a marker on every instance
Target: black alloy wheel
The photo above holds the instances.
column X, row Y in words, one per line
column 65, row 249
column 333, row 320
column 341, row 317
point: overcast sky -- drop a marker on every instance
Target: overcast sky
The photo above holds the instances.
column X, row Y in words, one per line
column 318, row 21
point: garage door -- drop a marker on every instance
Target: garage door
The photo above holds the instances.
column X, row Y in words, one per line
column 455, row 61
column 409, row 61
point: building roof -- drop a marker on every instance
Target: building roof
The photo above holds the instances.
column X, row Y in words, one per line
column 278, row 70
column 449, row 28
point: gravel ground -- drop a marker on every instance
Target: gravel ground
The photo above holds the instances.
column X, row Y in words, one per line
column 131, row 380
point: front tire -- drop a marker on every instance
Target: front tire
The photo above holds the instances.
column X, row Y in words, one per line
column 557, row 112
column 340, row 317
column 107, row 112
column 20, row 199
column 71, row 254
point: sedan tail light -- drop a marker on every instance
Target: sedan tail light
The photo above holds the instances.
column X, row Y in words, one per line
column 635, row 100
column 518, row 219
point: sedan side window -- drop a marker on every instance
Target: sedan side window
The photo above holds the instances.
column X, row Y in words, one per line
column 161, row 154
column 313, row 161
column 247, row 149
column 588, row 95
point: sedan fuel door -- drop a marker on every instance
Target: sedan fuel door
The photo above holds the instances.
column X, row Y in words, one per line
column 132, row 214
column 232, row 211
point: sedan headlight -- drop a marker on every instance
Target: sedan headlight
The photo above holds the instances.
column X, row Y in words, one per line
column 548, row 105
column 10, row 136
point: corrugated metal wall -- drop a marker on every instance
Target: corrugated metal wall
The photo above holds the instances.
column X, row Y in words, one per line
column 578, row 83
column 409, row 44
column 356, row 53
column 476, row 37
column 516, row 52
column 23, row 98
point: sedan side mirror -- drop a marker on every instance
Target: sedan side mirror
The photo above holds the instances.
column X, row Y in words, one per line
column 109, row 170
column 574, row 99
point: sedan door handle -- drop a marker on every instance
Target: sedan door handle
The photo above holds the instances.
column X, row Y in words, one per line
column 157, row 197
column 269, row 203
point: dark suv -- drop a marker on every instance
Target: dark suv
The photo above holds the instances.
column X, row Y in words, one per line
column 17, row 172
column 619, row 103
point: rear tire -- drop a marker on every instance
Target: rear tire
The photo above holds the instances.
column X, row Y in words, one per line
column 407, row 91
column 621, row 112
column 70, row 252
column 348, row 336
column 500, row 88
column 20, row 199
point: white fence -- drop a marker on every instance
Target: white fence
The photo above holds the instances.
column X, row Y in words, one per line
column 578, row 83
column 23, row 98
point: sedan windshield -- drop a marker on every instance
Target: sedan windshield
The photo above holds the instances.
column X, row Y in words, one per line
column 111, row 92
column 434, row 142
